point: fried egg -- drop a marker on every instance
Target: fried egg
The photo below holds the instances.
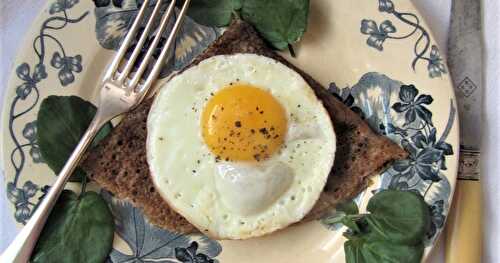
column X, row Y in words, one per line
column 239, row 145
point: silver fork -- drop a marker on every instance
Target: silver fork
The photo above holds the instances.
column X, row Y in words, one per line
column 121, row 91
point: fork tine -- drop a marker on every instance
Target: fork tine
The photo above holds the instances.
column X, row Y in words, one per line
column 145, row 34
column 145, row 61
column 161, row 59
column 126, row 42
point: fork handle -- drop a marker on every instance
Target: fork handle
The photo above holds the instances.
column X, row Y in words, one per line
column 19, row 251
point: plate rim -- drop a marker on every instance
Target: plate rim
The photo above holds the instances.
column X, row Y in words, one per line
column 11, row 77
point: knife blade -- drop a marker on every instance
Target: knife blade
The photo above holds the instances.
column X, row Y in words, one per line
column 465, row 62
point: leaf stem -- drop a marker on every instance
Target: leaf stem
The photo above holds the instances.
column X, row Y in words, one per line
column 236, row 15
column 84, row 186
column 292, row 52
column 428, row 188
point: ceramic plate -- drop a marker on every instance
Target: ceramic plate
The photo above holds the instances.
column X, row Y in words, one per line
column 378, row 56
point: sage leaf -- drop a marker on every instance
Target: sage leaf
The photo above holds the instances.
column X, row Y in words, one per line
column 342, row 210
column 354, row 223
column 360, row 251
column 237, row 4
column 352, row 252
column 393, row 231
column 398, row 216
column 390, row 252
column 349, row 207
column 79, row 229
column 61, row 122
column 213, row 12
column 280, row 22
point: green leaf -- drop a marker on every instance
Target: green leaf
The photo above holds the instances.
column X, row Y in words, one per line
column 352, row 222
column 61, row 122
column 237, row 4
column 213, row 12
column 398, row 216
column 349, row 207
column 360, row 251
column 342, row 212
column 375, row 252
column 393, row 231
column 350, row 218
column 335, row 219
column 77, row 230
column 280, row 22
column 352, row 252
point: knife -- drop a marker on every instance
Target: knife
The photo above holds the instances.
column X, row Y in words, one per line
column 465, row 62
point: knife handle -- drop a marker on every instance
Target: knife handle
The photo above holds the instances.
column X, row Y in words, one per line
column 464, row 226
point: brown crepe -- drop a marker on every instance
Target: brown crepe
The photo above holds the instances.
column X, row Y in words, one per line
column 119, row 162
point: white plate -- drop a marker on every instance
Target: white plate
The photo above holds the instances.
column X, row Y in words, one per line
column 373, row 54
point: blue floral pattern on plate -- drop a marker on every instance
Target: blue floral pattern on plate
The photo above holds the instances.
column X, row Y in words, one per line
column 29, row 133
column 377, row 35
column 30, row 78
column 152, row 244
column 67, row 65
column 401, row 113
column 20, row 197
column 113, row 22
column 62, row 5
column 436, row 66
column 413, row 106
column 30, row 81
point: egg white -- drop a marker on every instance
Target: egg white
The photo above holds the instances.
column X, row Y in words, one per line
column 252, row 199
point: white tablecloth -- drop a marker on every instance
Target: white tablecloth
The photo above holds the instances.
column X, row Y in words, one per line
column 17, row 15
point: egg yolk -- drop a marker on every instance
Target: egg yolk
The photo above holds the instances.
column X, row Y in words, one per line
column 243, row 123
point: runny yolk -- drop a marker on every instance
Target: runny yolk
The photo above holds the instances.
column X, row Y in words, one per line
column 243, row 123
